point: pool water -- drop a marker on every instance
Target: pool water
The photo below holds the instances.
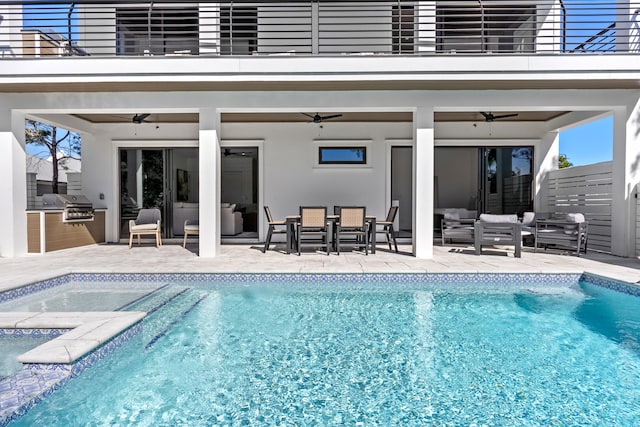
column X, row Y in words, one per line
column 76, row 298
column 405, row 358
column 11, row 347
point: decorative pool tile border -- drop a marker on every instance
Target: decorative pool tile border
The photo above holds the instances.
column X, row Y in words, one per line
column 355, row 278
column 32, row 333
column 615, row 285
column 33, row 287
column 34, row 382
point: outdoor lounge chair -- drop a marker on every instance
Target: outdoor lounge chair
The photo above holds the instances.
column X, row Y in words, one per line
column 570, row 233
column 191, row 227
column 277, row 227
column 147, row 222
column 387, row 227
column 313, row 225
column 498, row 230
column 351, row 222
column 455, row 227
column 529, row 225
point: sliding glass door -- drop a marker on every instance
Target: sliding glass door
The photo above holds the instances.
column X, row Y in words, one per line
column 506, row 179
column 497, row 180
column 162, row 178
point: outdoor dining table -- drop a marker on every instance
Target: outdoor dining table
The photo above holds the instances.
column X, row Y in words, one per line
column 293, row 220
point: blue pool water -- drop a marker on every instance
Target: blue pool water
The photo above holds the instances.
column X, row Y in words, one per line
column 241, row 356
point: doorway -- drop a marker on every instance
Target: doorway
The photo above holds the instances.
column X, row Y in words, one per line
column 402, row 189
column 162, row 178
column 506, row 180
column 496, row 180
column 239, row 190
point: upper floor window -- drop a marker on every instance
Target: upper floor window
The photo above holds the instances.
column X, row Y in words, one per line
column 157, row 31
column 238, row 30
column 476, row 28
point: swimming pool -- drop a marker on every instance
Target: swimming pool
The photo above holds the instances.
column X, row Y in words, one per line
column 334, row 353
column 81, row 296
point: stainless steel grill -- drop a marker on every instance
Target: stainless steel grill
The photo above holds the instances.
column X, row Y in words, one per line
column 75, row 207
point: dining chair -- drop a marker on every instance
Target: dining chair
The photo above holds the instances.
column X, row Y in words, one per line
column 387, row 227
column 191, row 228
column 275, row 227
column 147, row 222
column 351, row 222
column 313, row 224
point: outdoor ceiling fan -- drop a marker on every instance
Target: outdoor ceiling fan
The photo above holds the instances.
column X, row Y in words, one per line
column 140, row 118
column 227, row 152
column 319, row 119
column 489, row 117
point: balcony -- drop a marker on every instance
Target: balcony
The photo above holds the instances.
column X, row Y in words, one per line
column 45, row 29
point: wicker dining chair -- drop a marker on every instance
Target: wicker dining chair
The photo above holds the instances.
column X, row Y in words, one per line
column 351, row 223
column 275, row 227
column 313, row 225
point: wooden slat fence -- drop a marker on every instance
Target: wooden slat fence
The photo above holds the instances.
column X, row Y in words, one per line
column 586, row 190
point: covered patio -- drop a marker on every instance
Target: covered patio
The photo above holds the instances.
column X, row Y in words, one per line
column 422, row 158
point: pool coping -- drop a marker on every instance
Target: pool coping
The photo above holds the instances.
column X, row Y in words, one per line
column 88, row 330
column 94, row 335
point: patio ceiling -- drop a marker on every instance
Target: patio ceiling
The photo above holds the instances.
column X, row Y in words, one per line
column 294, row 117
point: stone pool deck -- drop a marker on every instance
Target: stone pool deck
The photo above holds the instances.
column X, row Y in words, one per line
column 172, row 258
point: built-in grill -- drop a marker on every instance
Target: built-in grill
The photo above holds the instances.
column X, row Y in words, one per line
column 75, row 207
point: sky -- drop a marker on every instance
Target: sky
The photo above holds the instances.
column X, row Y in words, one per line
column 589, row 143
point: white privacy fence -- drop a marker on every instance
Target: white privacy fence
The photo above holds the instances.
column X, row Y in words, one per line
column 586, row 190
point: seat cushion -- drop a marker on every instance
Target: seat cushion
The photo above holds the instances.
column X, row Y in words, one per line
column 144, row 227
column 528, row 219
column 192, row 228
column 574, row 217
column 494, row 219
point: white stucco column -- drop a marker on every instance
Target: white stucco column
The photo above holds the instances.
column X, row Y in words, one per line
column 626, row 175
column 546, row 160
column 423, row 170
column 13, row 185
column 209, row 158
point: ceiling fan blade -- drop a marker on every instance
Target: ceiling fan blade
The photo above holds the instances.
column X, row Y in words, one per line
column 487, row 116
column 504, row 116
column 308, row 115
column 139, row 118
column 333, row 116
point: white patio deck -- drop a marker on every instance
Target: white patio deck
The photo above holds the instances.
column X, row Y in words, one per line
column 171, row 257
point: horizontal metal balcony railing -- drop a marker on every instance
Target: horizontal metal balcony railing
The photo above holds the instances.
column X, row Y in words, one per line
column 315, row 27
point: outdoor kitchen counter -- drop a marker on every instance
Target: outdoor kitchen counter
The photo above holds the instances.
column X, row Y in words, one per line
column 46, row 230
